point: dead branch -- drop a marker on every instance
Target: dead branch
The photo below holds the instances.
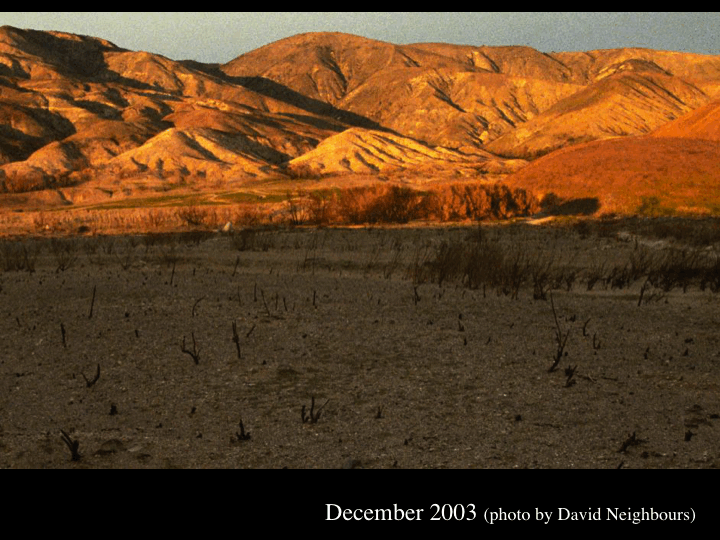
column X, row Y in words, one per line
column 92, row 302
column 236, row 339
column 262, row 294
column 314, row 416
column 194, row 353
column 243, row 435
column 379, row 413
column 196, row 304
column 632, row 440
column 585, row 334
column 90, row 383
column 73, row 446
column 569, row 373
column 560, row 339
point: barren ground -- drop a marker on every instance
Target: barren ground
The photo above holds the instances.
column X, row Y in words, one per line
column 433, row 376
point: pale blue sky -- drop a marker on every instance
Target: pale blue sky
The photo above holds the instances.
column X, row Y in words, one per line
column 220, row 37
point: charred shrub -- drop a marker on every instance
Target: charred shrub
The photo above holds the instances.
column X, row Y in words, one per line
column 18, row 256
column 481, row 264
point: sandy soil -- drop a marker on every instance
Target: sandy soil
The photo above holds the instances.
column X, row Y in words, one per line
column 403, row 374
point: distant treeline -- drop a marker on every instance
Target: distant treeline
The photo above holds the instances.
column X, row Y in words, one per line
column 382, row 203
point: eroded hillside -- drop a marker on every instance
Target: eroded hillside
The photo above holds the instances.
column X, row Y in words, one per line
column 80, row 114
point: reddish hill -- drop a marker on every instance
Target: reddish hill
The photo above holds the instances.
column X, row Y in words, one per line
column 648, row 175
column 703, row 123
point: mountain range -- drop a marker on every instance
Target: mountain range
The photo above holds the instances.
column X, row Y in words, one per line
column 627, row 128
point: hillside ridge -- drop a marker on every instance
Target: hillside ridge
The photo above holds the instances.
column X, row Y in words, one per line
column 78, row 110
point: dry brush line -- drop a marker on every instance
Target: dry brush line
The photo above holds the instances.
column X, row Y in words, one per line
column 65, row 251
column 383, row 203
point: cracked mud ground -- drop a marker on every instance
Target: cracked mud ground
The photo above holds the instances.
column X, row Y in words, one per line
column 404, row 373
